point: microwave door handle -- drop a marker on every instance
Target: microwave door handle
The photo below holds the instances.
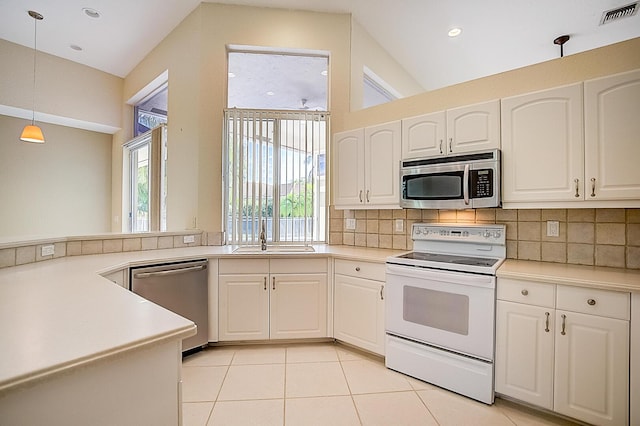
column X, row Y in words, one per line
column 465, row 185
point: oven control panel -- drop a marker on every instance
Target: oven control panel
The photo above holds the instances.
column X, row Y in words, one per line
column 472, row 233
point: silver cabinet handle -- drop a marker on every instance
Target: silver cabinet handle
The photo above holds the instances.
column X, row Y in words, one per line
column 593, row 187
column 591, row 302
column 450, row 144
column 381, row 290
column 357, row 269
column 273, row 282
column 441, row 147
column 265, row 283
column 525, row 292
column 546, row 323
column 367, row 195
column 360, row 195
column 577, row 182
column 564, row 323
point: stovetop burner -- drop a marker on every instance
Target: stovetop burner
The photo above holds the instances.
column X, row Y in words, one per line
column 447, row 258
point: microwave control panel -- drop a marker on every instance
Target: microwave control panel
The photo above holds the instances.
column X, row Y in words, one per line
column 482, row 183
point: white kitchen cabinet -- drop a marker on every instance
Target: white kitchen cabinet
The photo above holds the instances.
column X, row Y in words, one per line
column 269, row 303
column 542, row 146
column 455, row 131
column 564, row 348
column 611, row 111
column 120, row 277
column 359, row 304
column 573, row 146
column 366, row 167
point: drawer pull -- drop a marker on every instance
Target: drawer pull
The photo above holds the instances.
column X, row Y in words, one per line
column 591, row 302
column 546, row 323
column 564, row 323
column 357, row 269
column 525, row 292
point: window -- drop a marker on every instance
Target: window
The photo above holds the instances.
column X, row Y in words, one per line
column 375, row 90
column 152, row 110
column 145, row 177
column 275, row 173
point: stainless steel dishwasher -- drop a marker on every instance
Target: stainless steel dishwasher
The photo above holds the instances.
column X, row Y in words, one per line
column 181, row 287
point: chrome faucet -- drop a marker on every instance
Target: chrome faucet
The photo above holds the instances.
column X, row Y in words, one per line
column 263, row 235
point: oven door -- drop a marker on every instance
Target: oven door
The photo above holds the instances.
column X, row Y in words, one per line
column 450, row 310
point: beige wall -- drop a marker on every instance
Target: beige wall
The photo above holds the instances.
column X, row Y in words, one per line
column 59, row 188
column 195, row 56
column 570, row 69
column 64, row 89
column 365, row 51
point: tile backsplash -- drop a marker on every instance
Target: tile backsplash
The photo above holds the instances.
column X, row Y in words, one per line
column 601, row 237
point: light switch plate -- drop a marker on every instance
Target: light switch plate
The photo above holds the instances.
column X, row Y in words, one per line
column 350, row 224
column 553, row 228
column 399, row 225
column 189, row 239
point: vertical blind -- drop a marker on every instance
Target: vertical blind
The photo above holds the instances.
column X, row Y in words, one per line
column 275, row 176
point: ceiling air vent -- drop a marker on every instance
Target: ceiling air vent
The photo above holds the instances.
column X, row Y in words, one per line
column 619, row 13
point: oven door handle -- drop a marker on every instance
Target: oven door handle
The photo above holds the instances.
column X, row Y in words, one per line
column 396, row 274
column 465, row 185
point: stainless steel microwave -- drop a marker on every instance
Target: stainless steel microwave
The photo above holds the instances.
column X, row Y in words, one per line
column 465, row 181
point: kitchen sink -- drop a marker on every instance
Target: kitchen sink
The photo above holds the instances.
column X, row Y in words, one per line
column 273, row 249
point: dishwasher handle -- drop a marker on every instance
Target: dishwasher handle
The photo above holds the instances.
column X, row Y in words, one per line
column 170, row 272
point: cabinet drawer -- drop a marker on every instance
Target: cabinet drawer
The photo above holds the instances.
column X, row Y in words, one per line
column 612, row 304
column 528, row 292
column 299, row 266
column 352, row 268
column 243, row 266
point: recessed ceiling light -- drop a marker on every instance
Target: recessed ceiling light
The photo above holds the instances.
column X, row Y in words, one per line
column 231, row 75
column 75, row 47
column 270, row 93
column 455, row 32
column 91, row 13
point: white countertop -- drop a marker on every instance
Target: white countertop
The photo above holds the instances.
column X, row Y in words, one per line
column 60, row 314
column 576, row 275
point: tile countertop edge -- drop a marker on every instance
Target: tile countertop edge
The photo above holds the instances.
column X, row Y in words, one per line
column 576, row 275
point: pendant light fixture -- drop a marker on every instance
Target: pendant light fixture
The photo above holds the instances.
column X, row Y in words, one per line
column 31, row 132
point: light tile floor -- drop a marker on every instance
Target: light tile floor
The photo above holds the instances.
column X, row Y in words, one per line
column 325, row 384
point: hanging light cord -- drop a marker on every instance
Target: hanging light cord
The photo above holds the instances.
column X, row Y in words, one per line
column 35, row 49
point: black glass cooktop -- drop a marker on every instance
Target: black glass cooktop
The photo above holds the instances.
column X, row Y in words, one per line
column 449, row 258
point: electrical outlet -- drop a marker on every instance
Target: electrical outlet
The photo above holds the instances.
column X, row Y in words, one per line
column 350, row 224
column 189, row 239
column 553, row 228
column 399, row 225
column 47, row 250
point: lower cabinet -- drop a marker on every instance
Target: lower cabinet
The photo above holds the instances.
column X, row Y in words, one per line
column 359, row 304
column 565, row 349
column 269, row 303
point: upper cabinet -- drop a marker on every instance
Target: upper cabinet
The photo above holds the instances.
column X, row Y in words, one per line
column 366, row 167
column 556, row 156
column 612, row 137
column 542, row 148
column 465, row 129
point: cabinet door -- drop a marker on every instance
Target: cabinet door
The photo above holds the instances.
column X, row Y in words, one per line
column 524, row 352
column 423, row 136
column 592, row 368
column 612, row 128
column 243, row 308
column 542, row 146
column 359, row 312
column 473, row 128
column 382, row 164
column 348, row 160
column 298, row 306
